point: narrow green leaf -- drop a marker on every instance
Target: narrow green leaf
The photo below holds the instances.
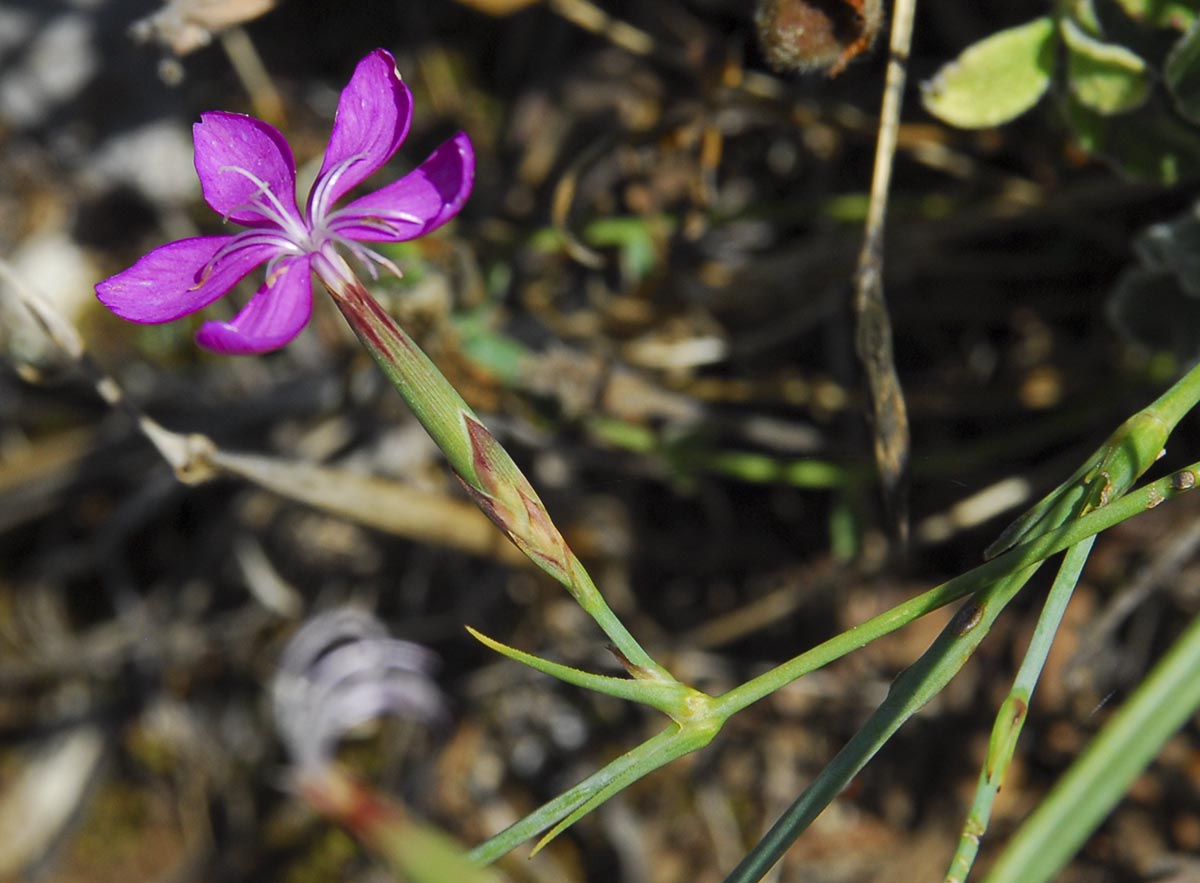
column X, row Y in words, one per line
column 1182, row 74
column 426, row 854
column 908, row 693
column 683, row 742
column 657, row 751
column 1109, row 472
column 1011, row 716
column 491, row 349
column 1163, row 703
column 1122, row 459
column 995, row 80
column 1105, row 77
column 677, row 701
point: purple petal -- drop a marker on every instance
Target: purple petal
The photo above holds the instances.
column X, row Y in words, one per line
column 176, row 279
column 229, row 142
column 272, row 318
column 424, row 199
column 373, row 116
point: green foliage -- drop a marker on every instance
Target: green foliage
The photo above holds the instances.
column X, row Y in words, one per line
column 638, row 241
column 995, row 80
column 492, row 350
column 1177, row 14
column 1102, row 76
column 1150, row 143
column 1098, row 491
column 1161, row 704
column 426, row 854
column 1129, row 87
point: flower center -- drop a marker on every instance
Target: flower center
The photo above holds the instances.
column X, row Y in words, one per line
column 310, row 232
column 265, row 203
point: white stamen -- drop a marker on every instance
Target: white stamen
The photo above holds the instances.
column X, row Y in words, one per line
column 274, row 212
column 320, row 194
column 282, row 245
column 368, row 257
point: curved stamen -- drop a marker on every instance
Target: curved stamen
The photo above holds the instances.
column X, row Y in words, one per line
column 344, row 218
column 273, row 267
column 317, row 201
column 275, row 212
column 368, row 257
column 283, row 245
column 256, row 237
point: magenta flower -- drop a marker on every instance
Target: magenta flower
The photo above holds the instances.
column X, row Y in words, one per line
column 248, row 175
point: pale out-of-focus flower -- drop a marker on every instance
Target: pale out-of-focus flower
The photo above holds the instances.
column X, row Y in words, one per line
column 341, row 670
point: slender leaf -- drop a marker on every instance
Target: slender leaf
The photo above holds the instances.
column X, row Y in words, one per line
column 1013, row 712
column 1163, row 702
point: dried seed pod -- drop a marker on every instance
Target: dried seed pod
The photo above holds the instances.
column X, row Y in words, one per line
column 816, row 35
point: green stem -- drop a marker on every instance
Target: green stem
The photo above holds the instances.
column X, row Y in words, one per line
column 647, row 755
column 919, row 683
column 1013, row 712
column 999, row 568
column 999, row 579
column 485, row 468
column 1177, row 401
column 1163, row 703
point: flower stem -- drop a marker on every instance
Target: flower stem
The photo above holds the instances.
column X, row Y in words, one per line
column 489, row 474
column 1008, row 565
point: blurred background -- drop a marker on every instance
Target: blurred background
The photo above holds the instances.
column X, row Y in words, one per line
column 648, row 299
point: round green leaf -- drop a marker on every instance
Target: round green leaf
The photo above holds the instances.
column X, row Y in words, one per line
column 996, row 79
column 1103, row 76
